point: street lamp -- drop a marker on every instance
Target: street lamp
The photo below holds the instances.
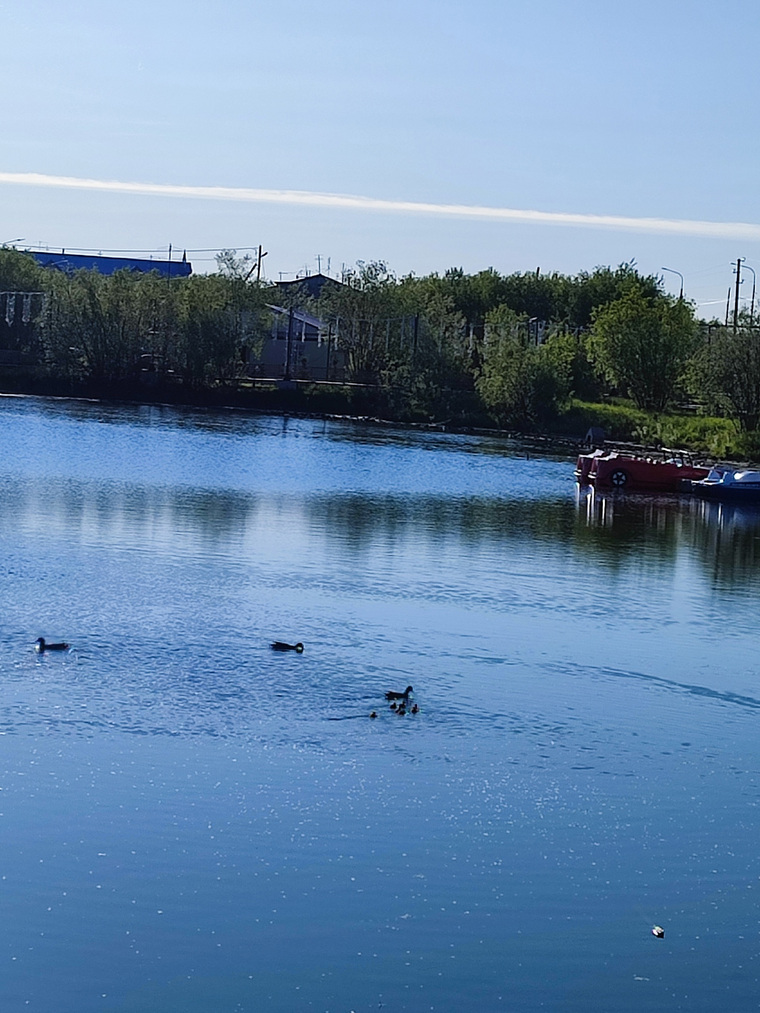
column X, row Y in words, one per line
column 752, row 301
column 671, row 271
column 10, row 242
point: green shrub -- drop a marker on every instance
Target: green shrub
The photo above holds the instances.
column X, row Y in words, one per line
column 619, row 421
column 716, row 437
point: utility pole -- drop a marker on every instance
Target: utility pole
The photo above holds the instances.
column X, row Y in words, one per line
column 329, row 349
column 258, row 266
column 728, row 305
column 288, row 344
column 736, row 296
column 752, row 300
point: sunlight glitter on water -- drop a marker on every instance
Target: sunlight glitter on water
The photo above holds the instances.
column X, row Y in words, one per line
column 193, row 821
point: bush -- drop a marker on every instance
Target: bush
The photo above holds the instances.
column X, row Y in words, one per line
column 619, row 421
column 716, row 437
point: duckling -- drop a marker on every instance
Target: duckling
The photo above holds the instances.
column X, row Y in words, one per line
column 401, row 709
column 415, row 708
column 40, row 646
column 278, row 645
column 393, row 695
column 373, row 714
column 394, row 705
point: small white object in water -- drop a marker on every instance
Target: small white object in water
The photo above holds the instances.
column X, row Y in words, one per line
column 658, row 931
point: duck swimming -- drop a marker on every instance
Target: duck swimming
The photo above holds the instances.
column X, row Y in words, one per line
column 278, row 645
column 41, row 646
column 393, row 695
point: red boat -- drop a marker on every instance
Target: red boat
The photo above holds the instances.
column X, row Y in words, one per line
column 655, row 470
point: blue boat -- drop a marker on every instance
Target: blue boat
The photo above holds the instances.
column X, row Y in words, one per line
column 723, row 482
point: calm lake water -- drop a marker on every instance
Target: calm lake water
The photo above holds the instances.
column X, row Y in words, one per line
column 192, row 823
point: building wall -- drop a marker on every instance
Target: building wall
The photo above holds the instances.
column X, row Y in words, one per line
column 310, row 346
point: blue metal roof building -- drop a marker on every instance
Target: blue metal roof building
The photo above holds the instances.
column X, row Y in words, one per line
column 71, row 262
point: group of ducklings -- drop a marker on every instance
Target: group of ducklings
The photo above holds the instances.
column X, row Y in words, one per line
column 400, row 702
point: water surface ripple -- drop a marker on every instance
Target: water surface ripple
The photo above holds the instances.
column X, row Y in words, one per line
column 191, row 821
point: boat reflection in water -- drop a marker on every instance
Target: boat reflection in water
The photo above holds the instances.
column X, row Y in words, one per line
column 727, row 516
column 727, row 535
column 724, row 536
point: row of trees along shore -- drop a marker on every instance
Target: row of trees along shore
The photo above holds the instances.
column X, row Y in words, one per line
column 528, row 352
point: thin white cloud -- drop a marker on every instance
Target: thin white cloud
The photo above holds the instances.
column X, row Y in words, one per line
column 350, row 202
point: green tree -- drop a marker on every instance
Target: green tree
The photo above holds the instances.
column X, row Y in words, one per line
column 641, row 344
column 440, row 326
column 428, row 376
column 521, row 383
column 230, row 265
column 93, row 327
column 103, row 328
column 472, row 296
column 590, row 292
column 725, row 374
column 20, row 272
column 363, row 312
column 212, row 329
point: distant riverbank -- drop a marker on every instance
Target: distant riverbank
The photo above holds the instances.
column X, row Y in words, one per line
column 298, row 398
column 620, row 421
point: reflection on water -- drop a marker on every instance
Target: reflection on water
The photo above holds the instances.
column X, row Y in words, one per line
column 614, row 529
column 185, row 587
column 192, row 821
column 729, row 540
column 724, row 536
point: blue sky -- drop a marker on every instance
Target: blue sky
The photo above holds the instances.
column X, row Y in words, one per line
column 586, row 108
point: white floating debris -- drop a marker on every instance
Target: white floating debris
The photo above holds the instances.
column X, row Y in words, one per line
column 658, row 931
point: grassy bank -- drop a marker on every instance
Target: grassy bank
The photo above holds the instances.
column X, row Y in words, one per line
column 709, row 435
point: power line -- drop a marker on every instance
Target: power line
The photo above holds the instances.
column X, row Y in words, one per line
column 155, row 249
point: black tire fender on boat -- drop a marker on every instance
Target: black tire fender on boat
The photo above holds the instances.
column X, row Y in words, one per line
column 619, row 478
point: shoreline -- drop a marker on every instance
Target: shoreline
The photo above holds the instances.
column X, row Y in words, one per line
column 366, row 405
column 287, row 403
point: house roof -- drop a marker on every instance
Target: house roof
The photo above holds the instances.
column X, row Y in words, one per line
column 300, row 315
column 311, row 285
column 109, row 265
